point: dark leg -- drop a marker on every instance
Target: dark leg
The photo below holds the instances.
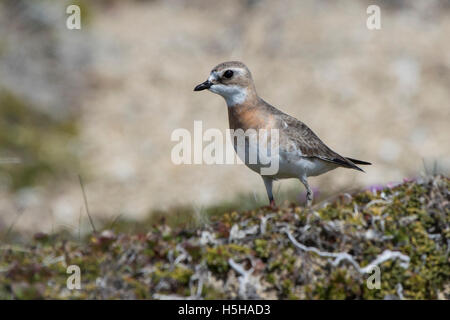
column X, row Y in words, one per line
column 268, row 183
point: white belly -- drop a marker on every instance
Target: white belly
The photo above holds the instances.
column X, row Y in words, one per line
column 297, row 166
column 290, row 164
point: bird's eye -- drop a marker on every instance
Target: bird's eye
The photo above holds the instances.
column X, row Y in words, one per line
column 228, row 74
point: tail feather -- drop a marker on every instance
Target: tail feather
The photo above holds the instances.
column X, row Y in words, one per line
column 347, row 163
column 355, row 161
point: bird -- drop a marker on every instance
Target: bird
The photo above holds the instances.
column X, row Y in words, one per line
column 301, row 152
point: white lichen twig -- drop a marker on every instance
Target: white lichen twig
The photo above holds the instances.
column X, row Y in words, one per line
column 355, row 211
column 244, row 278
column 377, row 201
column 200, row 274
column 237, row 234
column 183, row 255
column 263, row 224
column 341, row 256
column 385, row 256
column 399, row 288
column 207, row 238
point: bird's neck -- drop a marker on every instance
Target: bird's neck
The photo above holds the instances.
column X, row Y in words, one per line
column 242, row 97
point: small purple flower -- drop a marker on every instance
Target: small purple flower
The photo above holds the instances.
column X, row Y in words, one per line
column 375, row 188
column 391, row 184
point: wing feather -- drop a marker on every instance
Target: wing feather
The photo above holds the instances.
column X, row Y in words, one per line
column 305, row 140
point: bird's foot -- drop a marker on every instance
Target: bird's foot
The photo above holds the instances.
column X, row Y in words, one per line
column 273, row 205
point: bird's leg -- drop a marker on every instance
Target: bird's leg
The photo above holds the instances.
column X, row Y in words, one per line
column 268, row 182
column 309, row 193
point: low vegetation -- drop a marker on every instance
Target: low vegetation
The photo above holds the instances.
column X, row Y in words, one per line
column 382, row 243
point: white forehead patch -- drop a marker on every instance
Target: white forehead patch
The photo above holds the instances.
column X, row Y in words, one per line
column 213, row 76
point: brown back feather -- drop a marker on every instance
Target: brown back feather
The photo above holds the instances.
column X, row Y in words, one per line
column 306, row 140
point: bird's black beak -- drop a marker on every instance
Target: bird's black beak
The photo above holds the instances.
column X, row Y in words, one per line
column 202, row 86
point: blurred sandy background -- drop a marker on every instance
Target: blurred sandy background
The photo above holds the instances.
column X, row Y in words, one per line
column 126, row 81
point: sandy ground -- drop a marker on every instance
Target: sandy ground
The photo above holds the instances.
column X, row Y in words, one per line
column 381, row 96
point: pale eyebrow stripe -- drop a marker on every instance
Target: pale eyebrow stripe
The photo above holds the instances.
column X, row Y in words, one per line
column 215, row 75
column 238, row 70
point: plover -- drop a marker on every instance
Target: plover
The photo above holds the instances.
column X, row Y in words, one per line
column 301, row 153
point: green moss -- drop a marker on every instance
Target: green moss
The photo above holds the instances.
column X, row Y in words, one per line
column 283, row 262
column 217, row 258
column 412, row 219
column 261, row 248
column 179, row 274
column 339, row 286
column 210, row 293
column 286, row 287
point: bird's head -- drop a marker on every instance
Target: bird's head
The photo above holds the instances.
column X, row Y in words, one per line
column 232, row 80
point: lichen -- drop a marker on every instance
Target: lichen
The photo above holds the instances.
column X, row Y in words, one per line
column 411, row 218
